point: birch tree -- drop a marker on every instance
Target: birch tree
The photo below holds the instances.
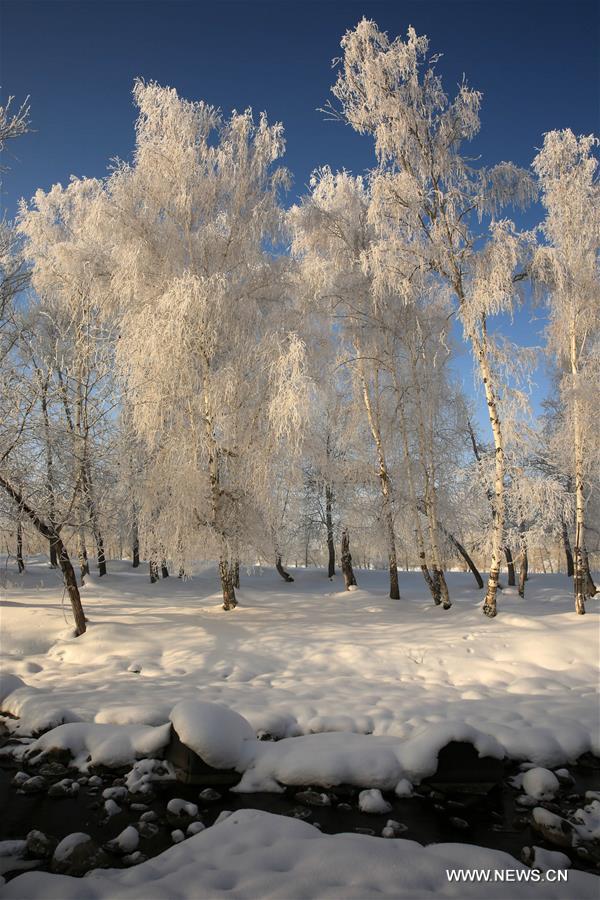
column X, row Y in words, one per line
column 204, row 352
column 430, row 196
column 567, row 168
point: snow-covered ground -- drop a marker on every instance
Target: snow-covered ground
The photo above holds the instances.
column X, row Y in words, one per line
column 359, row 688
column 310, row 657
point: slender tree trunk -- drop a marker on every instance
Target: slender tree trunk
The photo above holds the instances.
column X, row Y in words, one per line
column 475, row 571
column 567, row 547
column 53, row 551
column 135, row 544
column 235, row 573
column 227, row 587
column 510, row 566
column 349, row 579
column 20, row 562
column 49, row 532
column 579, row 581
column 523, row 567
column 153, row 567
column 480, row 345
column 164, row 570
column 441, row 593
column 590, row 587
column 84, row 564
column 429, row 581
column 386, row 488
column 329, row 526
column 285, row 575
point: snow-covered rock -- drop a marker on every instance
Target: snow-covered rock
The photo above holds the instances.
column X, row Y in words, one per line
column 539, row 858
column 110, row 745
column 371, row 801
column 179, row 807
column 125, row 842
column 540, row 783
column 76, row 854
column 220, row 736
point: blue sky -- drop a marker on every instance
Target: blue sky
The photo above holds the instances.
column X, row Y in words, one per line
column 537, row 64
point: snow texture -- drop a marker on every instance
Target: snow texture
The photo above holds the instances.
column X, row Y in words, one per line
column 540, row 783
column 255, row 854
column 219, row 735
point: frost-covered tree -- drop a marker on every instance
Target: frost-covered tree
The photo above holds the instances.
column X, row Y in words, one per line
column 431, row 197
column 74, row 347
column 212, row 376
column 567, row 264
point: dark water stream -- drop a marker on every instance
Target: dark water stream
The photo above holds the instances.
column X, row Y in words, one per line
column 493, row 820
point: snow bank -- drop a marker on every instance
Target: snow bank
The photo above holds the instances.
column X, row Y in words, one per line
column 219, row 735
column 36, row 707
column 8, row 684
column 255, row 854
column 109, row 745
column 369, row 761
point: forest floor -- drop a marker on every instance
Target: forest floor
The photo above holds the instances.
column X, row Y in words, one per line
column 375, row 686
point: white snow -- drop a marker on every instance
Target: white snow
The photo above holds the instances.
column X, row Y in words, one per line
column 320, row 671
column 177, row 836
column 111, row 808
column 540, row 783
column 296, row 660
column 549, row 859
column 255, row 854
column 128, row 840
column 371, row 801
column 588, row 821
column 217, row 734
column 68, row 844
column 179, row 807
column 109, row 745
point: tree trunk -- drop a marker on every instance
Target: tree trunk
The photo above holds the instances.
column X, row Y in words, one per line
column 349, row 579
column 510, row 565
column 285, row 575
column 164, row 571
column 235, row 574
column 429, row 581
column 51, row 534
column 480, row 345
column 329, row 526
column 153, row 567
column 466, row 557
column 84, row 564
column 384, row 481
column 590, row 587
column 568, row 551
column 49, row 471
column 229, row 598
column 135, row 545
column 523, row 566
column 20, row 562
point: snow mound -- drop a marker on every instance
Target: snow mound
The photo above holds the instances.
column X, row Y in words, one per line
column 110, row 745
column 540, row 783
column 220, row 736
column 8, row 684
column 68, row 844
column 37, row 708
column 256, row 854
column 372, row 802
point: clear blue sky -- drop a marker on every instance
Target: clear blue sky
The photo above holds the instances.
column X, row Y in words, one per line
column 537, row 64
